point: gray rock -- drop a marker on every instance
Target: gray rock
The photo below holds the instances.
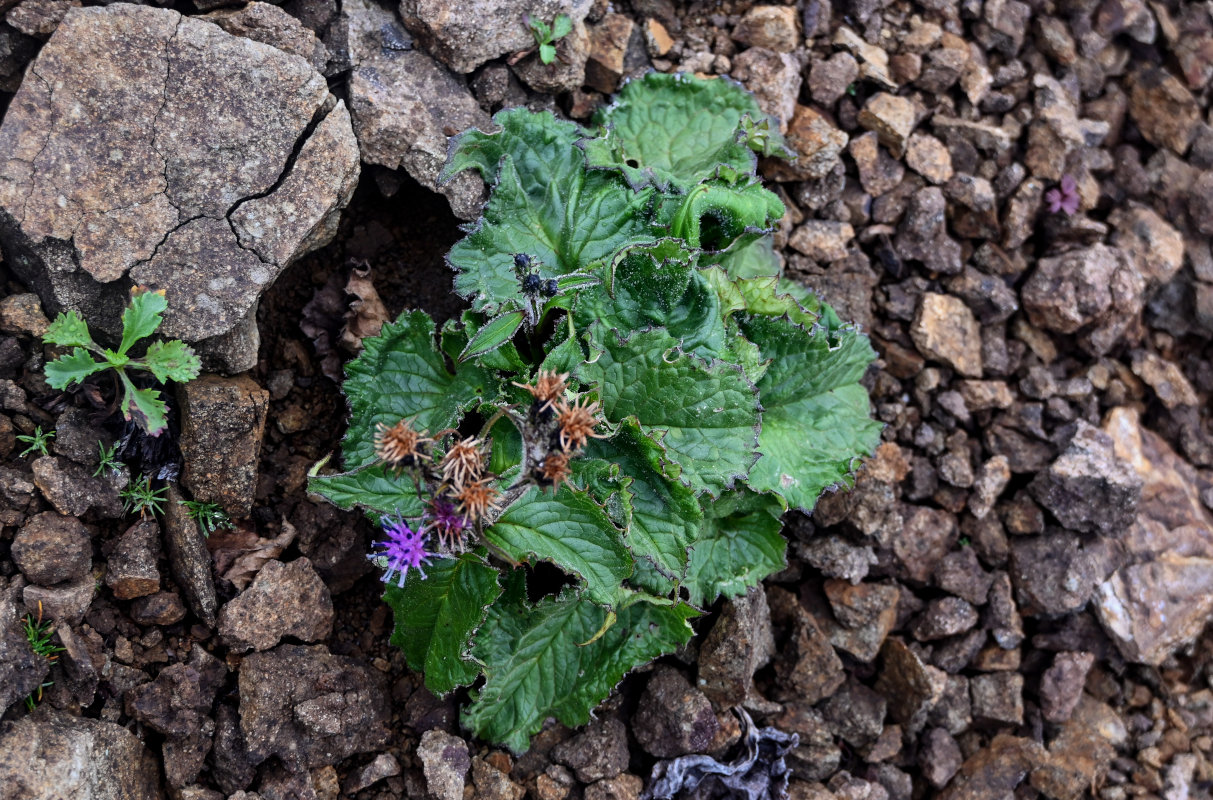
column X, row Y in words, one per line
column 863, row 615
column 806, row 665
column 77, row 437
column 959, row 573
column 131, row 570
column 178, row 704
column 1056, row 573
column 21, row 669
column 922, row 234
column 222, row 424
column 939, row 757
column 943, row 617
column 52, row 548
column 161, row 608
column 1087, row 488
column 856, row 713
column 466, row 33
column 189, row 559
column 607, row 64
column 283, row 600
column 311, row 708
column 1062, row 683
column 384, row 766
column 818, row 145
column 674, row 718
column 65, row 602
column 739, row 644
column 912, row 687
column 406, row 106
column 193, row 124
column 1095, row 292
column 271, row 25
column 829, row 78
column 446, row 763
column 600, row 751
column 929, row 534
column 998, row 697
column 835, row 557
column 1163, row 597
column 73, row 490
column 773, row 77
column 50, row 755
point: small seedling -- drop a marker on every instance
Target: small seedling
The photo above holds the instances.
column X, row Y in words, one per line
column 171, row 360
column 139, row 496
column 107, row 461
column 40, row 636
column 547, row 35
column 38, row 442
column 209, row 516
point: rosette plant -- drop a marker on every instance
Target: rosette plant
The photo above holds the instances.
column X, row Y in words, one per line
column 605, row 443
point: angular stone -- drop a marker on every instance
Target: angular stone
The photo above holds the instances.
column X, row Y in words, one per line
column 878, row 171
column 283, row 600
column 939, row 757
column 737, row 646
column 466, row 33
column 53, row 754
column 928, row 535
column 960, row 573
column 1163, row 597
column 1056, row 574
column 1095, row 291
column 892, row 118
column 405, row 106
column 912, row 687
column 1165, row 111
column 995, row 770
column 807, row 666
column 674, row 718
column 818, row 145
column 943, row 617
column 1061, row 685
column 1150, row 241
column 73, row 490
column 772, row 27
column 311, row 708
column 1165, row 378
column 600, row 751
column 566, row 73
column 922, row 234
column 182, row 155
column 856, row 713
column 774, row 79
column 928, row 156
column 865, row 614
column 223, row 421
column 1087, row 488
column 446, row 763
column 161, row 608
column 131, row 570
column 998, row 697
column 66, row 603
column 22, row 670
column 822, row 240
column 944, row 329
column 829, row 78
column 52, row 548
column 189, row 558
column 608, row 52
column 263, row 22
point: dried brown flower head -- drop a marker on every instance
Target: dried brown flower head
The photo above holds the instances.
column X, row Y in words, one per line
column 463, row 463
column 577, row 423
column 476, row 499
column 555, row 470
column 399, row 445
column 548, row 388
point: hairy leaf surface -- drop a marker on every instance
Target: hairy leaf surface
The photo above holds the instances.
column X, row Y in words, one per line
column 738, row 546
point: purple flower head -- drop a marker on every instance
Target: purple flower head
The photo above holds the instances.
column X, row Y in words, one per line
column 402, row 549
column 1065, row 198
column 446, row 521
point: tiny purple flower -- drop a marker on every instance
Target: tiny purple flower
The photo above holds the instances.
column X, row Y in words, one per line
column 1064, row 198
column 402, row 549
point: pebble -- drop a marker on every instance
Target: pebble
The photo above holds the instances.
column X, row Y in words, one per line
column 945, row 330
column 598, row 751
column 928, row 156
column 1061, row 685
column 740, row 642
column 1088, row 488
column 161, row 608
column 131, row 570
column 673, row 718
column 822, row 240
column 771, row 27
column 892, row 118
column 998, row 697
column 284, row 600
column 446, row 763
column 52, row 548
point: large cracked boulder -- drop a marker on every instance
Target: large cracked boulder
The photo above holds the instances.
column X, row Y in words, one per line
column 406, row 106
column 149, row 148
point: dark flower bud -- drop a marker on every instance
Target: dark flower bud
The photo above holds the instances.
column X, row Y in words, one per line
column 550, row 287
column 531, row 283
column 522, row 262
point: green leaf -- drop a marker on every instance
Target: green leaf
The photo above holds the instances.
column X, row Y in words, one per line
column 756, row 259
column 401, row 375
column 768, row 296
column 570, row 530
column 665, row 517
column 704, row 414
column 536, row 668
column 562, row 26
column 495, row 333
column 547, row 53
column 144, row 406
column 675, row 130
column 71, row 368
column 377, row 488
column 437, row 616
column 141, row 318
column 544, row 204
column 719, row 217
column 543, row 33
column 739, row 545
column 815, row 422
column 69, row 330
column 172, row 360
